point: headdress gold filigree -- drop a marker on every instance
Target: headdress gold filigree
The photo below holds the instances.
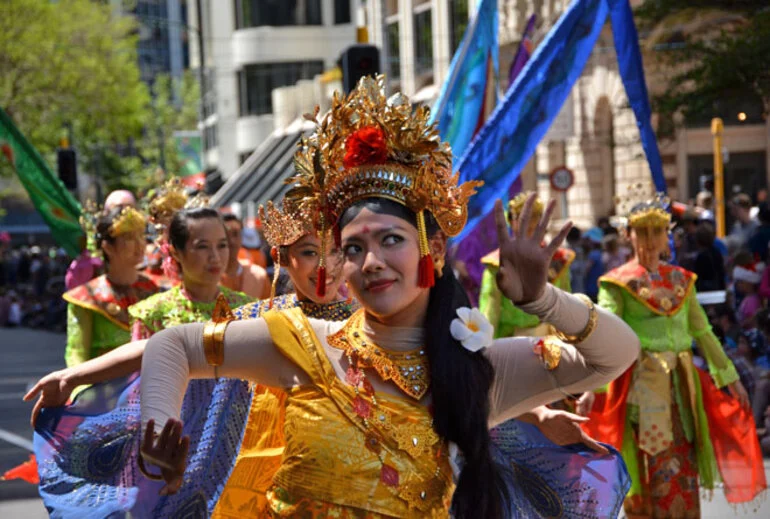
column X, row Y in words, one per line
column 516, row 205
column 642, row 207
column 370, row 146
column 282, row 227
column 169, row 199
column 128, row 221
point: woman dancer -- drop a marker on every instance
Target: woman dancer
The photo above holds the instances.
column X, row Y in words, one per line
column 91, row 445
column 373, row 402
column 97, row 311
column 663, row 414
column 296, row 248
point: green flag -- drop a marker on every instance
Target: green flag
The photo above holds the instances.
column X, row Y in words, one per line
column 55, row 204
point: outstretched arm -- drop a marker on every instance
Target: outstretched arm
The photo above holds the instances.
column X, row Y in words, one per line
column 55, row 389
column 523, row 382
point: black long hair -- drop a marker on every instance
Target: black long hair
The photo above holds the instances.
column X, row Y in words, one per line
column 179, row 231
column 103, row 226
column 460, row 384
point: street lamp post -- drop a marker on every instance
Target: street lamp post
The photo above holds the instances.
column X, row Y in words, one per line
column 717, row 128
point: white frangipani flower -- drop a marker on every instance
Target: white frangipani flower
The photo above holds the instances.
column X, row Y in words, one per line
column 472, row 329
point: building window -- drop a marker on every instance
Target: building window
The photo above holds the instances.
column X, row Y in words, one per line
column 210, row 137
column 341, row 12
column 256, row 82
column 423, row 42
column 458, row 21
column 394, row 57
column 276, row 13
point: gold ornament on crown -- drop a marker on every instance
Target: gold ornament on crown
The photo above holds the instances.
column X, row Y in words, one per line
column 642, row 207
column 282, row 227
column 129, row 220
column 516, row 205
column 367, row 146
column 171, row 198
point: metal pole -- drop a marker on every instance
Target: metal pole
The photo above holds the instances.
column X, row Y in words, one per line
column 202, row 57
column 717, row 128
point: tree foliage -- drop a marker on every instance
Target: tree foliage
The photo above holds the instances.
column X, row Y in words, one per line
column 716, row 54
column 70, row 63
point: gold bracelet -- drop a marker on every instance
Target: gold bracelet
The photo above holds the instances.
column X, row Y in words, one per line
column 593, row 319
column 143, row 470
column 208, row 341
column 214, row 332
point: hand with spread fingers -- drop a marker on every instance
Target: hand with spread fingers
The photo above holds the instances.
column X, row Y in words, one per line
column 524, row 260
column 563, row 428
column 169, row 453
column 53, row 390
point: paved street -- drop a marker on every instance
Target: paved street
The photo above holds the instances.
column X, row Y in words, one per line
column 28, row 354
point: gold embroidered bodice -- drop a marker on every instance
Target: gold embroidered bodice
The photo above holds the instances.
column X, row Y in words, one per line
column 332, row 462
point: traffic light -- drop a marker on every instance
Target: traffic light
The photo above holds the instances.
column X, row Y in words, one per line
column 68, row 167
column 358, row 61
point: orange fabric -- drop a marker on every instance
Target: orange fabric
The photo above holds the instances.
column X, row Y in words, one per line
column 607, row 419
column 736, row 445
column 27, row 471
column 255, row 256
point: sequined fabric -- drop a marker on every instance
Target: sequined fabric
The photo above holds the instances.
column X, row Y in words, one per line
column 263, row 444
column 87, row 451
column 546, row 480
column 335, row 466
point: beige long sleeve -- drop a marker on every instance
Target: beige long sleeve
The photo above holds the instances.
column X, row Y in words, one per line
column 521, row 380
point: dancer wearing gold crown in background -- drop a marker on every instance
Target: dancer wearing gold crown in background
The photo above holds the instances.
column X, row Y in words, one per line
column 295, row 247
column 97, row 313
column 506, row 318
column 676, row 431
column 90, row 446
column 373, row 403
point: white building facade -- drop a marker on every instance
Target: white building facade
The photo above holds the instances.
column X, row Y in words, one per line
column 252, row 47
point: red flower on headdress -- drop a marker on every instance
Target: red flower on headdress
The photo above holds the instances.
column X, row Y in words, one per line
column 365, row 146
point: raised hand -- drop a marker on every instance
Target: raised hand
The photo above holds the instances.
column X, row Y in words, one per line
column 524, row 260
column 53, row 389
column 563, row 428
column 169, row 453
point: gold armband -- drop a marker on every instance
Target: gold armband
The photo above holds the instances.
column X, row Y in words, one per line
column 143, row 469
column 214, row 332
column 593, row 319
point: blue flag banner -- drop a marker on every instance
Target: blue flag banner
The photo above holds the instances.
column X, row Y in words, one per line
column 460, row 108
column 501, row 149
column 632, row 74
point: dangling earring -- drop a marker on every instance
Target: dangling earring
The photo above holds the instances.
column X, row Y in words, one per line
column 438, row 265
column 349, row 300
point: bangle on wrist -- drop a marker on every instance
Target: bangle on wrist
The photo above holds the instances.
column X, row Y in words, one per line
column 593, row 318
column 145, row 472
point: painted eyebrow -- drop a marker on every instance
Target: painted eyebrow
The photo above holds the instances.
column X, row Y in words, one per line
column 380, row 232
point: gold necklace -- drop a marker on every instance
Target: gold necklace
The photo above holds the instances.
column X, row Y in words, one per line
column 408, row 370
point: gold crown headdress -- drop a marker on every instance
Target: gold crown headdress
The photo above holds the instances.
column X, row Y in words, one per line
column 369, row 146
column 642, row 207
column 173, row 197
column 516, row 205
column 281, row 227
column 127, row 221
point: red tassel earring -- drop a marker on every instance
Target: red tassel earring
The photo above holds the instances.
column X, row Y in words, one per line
column 425, row 275
column 276, row 273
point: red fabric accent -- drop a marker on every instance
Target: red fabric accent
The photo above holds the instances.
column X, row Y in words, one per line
column 736, row 445
column 320, row 286
column 365, row 146
column 337, row 235
column 27, row 471
column 426, row 277
column 607, row 419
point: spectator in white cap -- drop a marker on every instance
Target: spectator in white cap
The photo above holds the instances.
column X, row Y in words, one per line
column 747, row 278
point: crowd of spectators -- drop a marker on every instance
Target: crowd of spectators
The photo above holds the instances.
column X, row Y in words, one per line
column 31, row 286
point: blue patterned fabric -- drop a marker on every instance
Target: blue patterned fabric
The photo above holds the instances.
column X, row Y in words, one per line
column 547, row 480
column 87, row 452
